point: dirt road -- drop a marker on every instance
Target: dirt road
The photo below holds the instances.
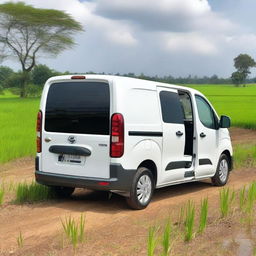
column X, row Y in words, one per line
column 111, row 228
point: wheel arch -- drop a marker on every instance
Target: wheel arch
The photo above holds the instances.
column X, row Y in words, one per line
column 228, row 154
column 151, row 166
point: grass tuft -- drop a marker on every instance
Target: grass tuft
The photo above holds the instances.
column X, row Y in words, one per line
column 166, row 242
column 20, row 240
column 2, row 192
column 152, row 241
column 189, row 220
column 75, row 232
column 226, row 199
column 244, row 155
column 203, row 215
column 29, row 193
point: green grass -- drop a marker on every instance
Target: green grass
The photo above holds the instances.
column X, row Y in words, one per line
column 17, row 126
column 152, row 240
column 18, row 116
column 166, row 241
column 236, row 102
column 29, row 193
column 189, row 220
column 75, row 232
column 226, row 199
column 203, row 215
column 2, row 192
column 20, row 240
column 245, row 155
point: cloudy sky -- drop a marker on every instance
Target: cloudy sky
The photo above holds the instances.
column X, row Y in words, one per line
column 156, row 37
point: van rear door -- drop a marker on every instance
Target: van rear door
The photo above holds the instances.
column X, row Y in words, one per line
column 75, row 134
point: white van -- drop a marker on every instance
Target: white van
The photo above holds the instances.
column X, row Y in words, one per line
column 128, row 136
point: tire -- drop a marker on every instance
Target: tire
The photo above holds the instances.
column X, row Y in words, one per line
column 143, row 179
column 222, row 173
column 62, row 192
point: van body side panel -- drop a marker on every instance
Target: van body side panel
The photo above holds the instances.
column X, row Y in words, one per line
column 143, row 130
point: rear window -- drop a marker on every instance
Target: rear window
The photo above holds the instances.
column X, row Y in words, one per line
column 78, row 107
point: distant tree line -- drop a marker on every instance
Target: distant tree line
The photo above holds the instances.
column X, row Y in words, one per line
column 40, row 73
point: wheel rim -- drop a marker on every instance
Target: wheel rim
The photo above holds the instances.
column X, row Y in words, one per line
column 223, row 170
column 144, row 189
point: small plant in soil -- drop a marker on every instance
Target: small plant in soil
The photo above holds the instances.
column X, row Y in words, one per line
column 189, row 220
column 75, row 232
column 20, row 240
column 181, row 215
column 226, row 199
column 2, row 195
column 250, row 201
column 166, row 242
column 152, row 241
column 29, row 193
column 242, row 198
column 203, row 215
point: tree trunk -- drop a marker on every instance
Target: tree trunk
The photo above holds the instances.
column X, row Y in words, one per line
column 24, row 82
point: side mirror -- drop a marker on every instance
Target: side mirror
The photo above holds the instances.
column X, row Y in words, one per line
column 225, row 122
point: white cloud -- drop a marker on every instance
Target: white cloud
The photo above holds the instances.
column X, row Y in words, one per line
column 189, row 42
column 179, row 36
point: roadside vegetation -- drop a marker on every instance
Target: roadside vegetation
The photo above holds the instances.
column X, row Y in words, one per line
column 18, row 119
column 74, row 230
column 235, row 206
column 33, row 192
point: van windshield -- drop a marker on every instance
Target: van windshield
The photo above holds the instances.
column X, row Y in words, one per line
column 78, row 107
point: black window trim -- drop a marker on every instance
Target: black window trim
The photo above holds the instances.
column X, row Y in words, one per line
column 216, row 120
column 166, row 89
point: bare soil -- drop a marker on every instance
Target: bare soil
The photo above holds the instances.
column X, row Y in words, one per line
column 112, row 228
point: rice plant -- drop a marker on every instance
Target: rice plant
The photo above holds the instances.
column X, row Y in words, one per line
column 251, row 197
column 2, row 192
column 152, row 241
column 203, row 215
column 242, row 198
column 75, row 232
column 29, row 193
column 166, row 242
column 189, row 220
column 20, row 240
column 181, row 215
column 226, row 199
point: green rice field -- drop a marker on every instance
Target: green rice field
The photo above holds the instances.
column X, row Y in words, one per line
column 18, row 116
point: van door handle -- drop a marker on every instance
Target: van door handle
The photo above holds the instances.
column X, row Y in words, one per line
column 202, row 135
column 179, row 133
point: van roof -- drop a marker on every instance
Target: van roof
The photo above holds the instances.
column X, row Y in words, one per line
column 113, row 78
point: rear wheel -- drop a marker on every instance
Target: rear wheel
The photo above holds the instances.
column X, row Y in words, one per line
column 62, row 192
column 141, row 190
column 222, row 173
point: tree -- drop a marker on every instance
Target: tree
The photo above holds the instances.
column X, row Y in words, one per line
column 26, row 32
column 5, row 73
column 237, row 78
column 243, row 63
column 40, row 74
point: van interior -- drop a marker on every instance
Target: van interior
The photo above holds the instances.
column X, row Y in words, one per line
column 188, row 122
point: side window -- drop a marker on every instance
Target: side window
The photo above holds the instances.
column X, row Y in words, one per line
column 171, row 107
column 205, row 112
column 187, row 107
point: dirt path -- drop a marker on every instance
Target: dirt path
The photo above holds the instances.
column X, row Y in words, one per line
column 111, row 228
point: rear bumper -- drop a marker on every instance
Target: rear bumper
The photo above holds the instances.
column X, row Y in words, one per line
column 120, row 179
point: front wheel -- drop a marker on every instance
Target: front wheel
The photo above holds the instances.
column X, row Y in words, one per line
column 222, row 173
column 141, row 190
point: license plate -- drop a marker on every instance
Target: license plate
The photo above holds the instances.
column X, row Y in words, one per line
column 71, row 159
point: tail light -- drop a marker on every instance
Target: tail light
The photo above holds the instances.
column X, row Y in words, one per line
column 39, row 132
column 117, row 136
